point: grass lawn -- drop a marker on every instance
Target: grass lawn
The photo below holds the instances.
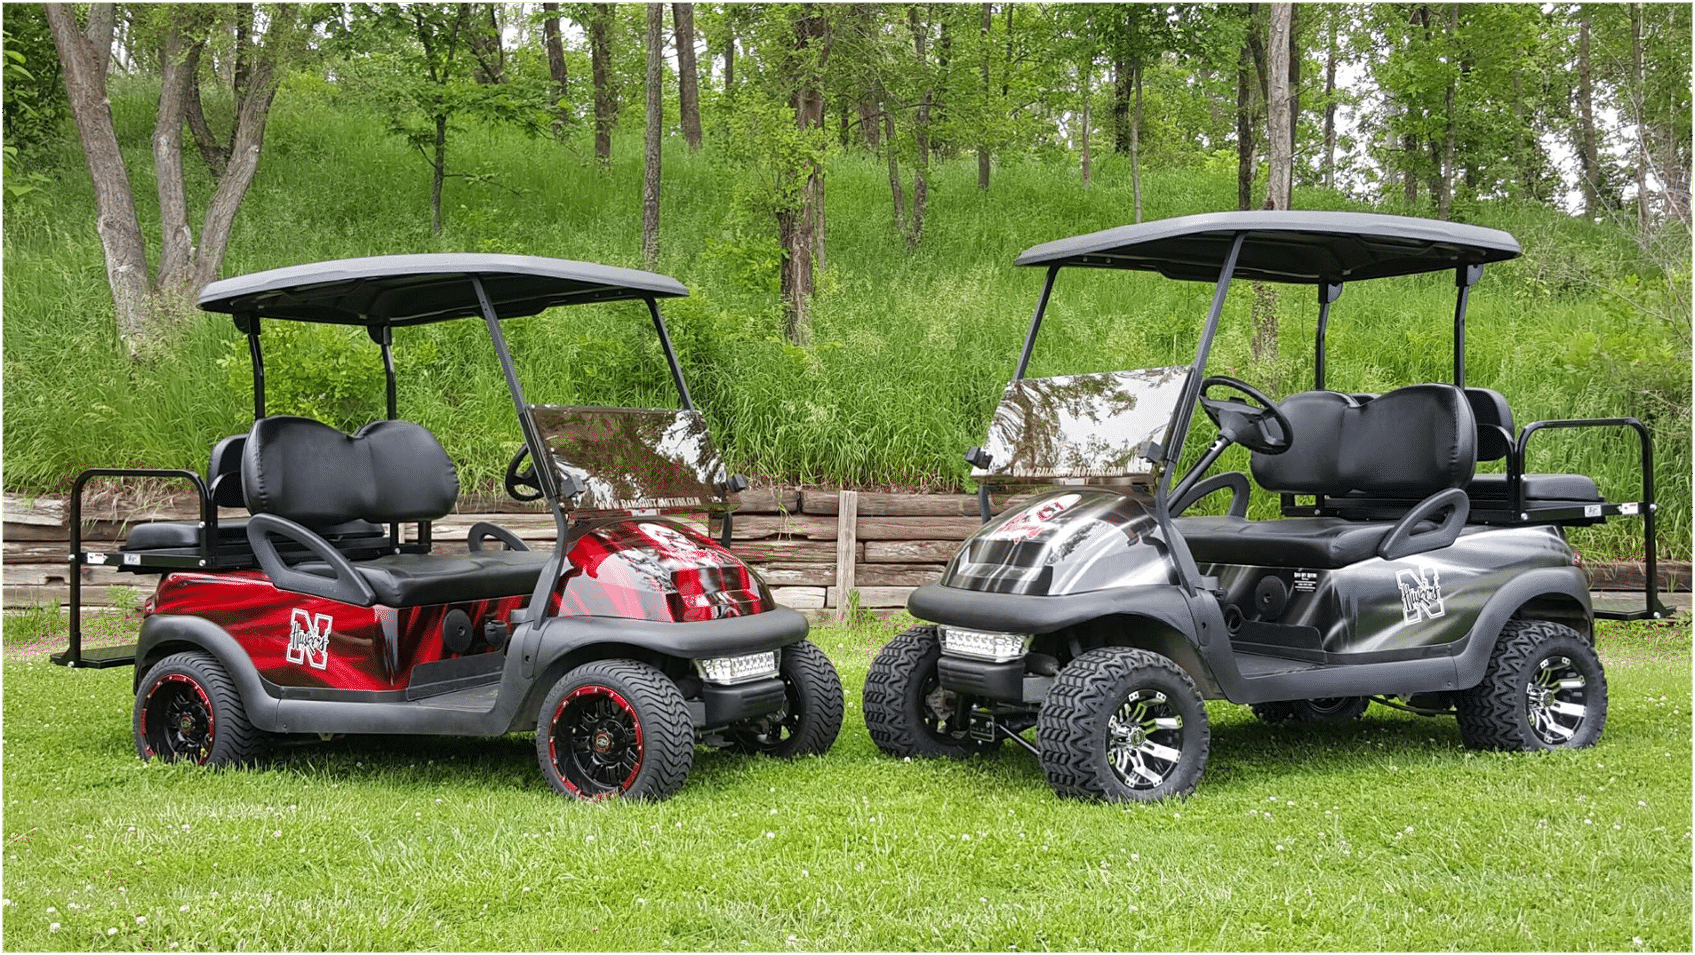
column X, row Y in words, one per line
column 1383, row 834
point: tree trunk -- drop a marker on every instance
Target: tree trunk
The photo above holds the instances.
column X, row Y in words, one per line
column 1088, row 94
column 1244, row 130
column 213, row 152
column 983, row 89
column 245, row 145
column 241, row 71
column 870, row 124
column 895, row 187
column 1588, row 157
column 556, row 68
column 102, row 24
column 600, row 63
column 1446, row 166
column 485, row 45
column 730, row 62
column 176, row 250
column 655, row 132
column 1136, row 140
column 84, row 71
column 1294, row 55
column 438, row 173
column 688, row 76
column 920, row 129
column 1638, row 94
column 800, row 222
column 1123, row 79
column 1330, row 105
column 1281, row 170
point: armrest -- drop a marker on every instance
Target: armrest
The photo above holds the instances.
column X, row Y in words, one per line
column 1403, row 541
column 483, row 530
column 1236, row 481
column 346, row 585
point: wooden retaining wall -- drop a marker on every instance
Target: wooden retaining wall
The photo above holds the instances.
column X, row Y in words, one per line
column 812, row 545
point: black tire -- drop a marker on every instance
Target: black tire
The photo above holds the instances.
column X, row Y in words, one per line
column 1330, row 709
column 187, row 708
column 1122, row 724
column 810, row 719
column 1543, row 689
column 615, row 728
column 907, row 712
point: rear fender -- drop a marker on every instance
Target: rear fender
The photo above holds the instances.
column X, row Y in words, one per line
column 1552, row 593
column 165, row 634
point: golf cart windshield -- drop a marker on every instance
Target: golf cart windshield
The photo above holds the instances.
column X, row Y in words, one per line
column 634, row 459
column 1075, row 428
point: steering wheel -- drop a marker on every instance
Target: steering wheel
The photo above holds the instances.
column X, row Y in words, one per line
column 522, row 485
column 1244, row 424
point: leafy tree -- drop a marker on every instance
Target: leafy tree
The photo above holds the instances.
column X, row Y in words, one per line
column 432, row 67
column 142, row 296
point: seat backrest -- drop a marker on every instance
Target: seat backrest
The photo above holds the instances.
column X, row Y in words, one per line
column 309, row 472
column 1411, row 442
column 1489, row 407
column 226, row 459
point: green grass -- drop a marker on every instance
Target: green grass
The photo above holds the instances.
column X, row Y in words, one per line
column 1384, row 834
column 911, row 348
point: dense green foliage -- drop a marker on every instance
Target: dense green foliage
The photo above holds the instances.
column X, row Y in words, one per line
column 911, row 347
column 1379, row 835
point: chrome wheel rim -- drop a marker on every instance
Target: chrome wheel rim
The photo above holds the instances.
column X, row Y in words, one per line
column 1144, row 739
column 1555, row 700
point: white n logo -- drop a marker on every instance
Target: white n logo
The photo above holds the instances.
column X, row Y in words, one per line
column 309, row 639
column 1421, row 597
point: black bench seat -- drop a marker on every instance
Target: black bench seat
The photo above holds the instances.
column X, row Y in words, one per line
column 1318, row 542
column 414, row 580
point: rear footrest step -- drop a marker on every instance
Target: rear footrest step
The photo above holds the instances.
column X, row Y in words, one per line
column 98, row 658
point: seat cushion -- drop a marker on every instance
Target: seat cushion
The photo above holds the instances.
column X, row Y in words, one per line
column 1326, row 542
column 1537, row 487
column 158, row 534
column 415, row 580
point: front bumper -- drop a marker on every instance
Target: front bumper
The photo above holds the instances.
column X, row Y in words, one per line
column 723, row 704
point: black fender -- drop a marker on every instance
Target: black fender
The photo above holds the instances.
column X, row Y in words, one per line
column 1526, row 589
column 165, row 634
column 1158, row 617
column 554, row 646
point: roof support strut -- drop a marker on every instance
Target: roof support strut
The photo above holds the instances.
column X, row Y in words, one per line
column 1035, row 324
column 1465, row 277
column 1328, row 293
column 544, row 472
column 670, row 353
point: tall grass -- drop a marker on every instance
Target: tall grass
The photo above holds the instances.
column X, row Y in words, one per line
column 911, row 347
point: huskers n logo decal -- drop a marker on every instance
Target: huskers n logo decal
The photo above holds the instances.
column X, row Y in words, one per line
column 309, row 639
column 1421, row 594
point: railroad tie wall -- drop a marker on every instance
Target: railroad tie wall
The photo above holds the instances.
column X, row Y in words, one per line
column 822, row 551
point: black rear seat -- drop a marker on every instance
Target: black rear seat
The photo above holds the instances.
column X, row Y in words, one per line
column 356, row 539
column 1410, row 443
column 390, row 471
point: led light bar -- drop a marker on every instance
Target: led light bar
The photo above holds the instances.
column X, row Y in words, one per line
column 742, row 669
column 984, row 644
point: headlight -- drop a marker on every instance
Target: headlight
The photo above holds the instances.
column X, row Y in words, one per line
column 753, row 666
column 985, row 644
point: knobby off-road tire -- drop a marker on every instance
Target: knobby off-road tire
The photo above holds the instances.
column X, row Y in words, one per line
column 907, row 712
column 188, row 709
column 811, row 717
column 615, row 728
column 1122, row 724
column 1332, row 709
column 1543, row 689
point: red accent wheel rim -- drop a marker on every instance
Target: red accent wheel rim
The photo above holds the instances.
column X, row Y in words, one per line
column 594, row 742
column 177, row 721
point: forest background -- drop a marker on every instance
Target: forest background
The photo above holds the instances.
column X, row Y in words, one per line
column 843, row 187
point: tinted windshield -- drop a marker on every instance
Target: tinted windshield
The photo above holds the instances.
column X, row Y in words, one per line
column 1080, row 426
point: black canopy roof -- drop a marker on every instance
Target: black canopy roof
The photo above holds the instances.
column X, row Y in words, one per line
column 1299, row 247
column 417, row 289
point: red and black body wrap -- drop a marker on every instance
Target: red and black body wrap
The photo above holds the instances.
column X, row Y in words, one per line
column 634, row 568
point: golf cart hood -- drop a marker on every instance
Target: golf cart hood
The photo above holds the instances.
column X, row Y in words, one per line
column 655, row 569
column 1066, row 541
